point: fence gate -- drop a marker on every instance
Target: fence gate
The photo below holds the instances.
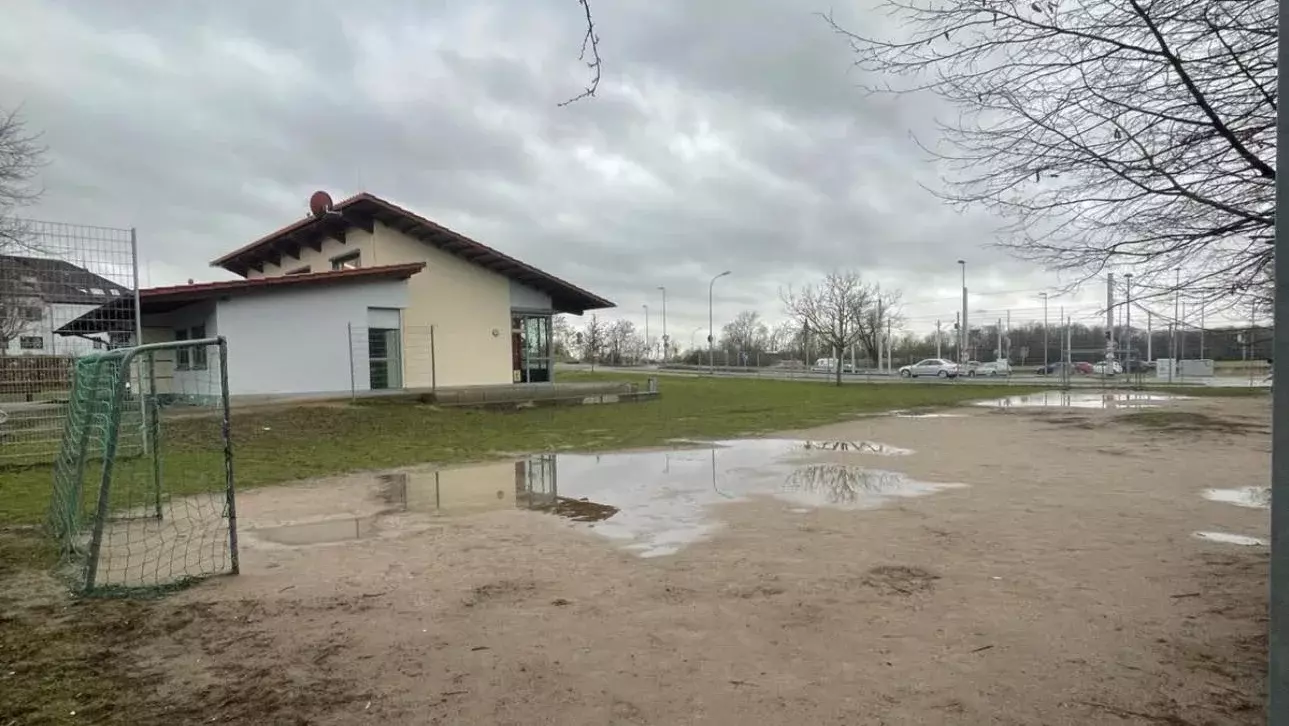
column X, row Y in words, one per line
column 150, row 507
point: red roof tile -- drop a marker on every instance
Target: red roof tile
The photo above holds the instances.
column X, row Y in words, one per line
column 202, row 290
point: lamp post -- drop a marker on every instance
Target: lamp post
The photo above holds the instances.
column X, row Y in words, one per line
column 1045, row 362
column 664, row 323
column 711, row 349
column 965, row 325
column 1127, row 314
column 648, row 345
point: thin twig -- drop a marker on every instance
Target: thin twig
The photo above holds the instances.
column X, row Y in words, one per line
column 591, row 46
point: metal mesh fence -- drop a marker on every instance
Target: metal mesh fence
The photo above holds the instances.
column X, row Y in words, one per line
column 66, row 290
column 159, row 514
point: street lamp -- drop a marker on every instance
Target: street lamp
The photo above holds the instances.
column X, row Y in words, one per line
column 648, row 347
column 664, row 322
column 965, row 324
column 711, row 349
column 1044, row 296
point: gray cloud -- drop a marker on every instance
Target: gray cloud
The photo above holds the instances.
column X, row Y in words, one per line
column 727, row 135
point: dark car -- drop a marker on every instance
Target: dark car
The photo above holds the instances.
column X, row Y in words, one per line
column 1137, row 365
column 1056, row 368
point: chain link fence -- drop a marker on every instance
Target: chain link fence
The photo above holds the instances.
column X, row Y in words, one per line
column 56, row 273
column 151, row 507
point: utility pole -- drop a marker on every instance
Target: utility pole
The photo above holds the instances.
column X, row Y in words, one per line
column 877, row 330
column 889, row 366
column 1008, row 338
column 1110, row 321
column 957, row 328
column 648, row 345
column 1201, row 330
column 1046, row 363
column 1127, row 295
column 1150, row 337
column 998, row 354
column 966, row 325
column 938, row 354
column 665, row 339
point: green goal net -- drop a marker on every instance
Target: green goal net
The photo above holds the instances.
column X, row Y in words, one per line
column 143, row 495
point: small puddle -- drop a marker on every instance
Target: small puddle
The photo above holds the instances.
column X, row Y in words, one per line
column 1082, row 399
column 1251, row 497
column 1235, row 539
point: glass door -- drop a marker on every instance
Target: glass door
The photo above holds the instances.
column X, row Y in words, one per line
column 384, row 360
column 536, row 361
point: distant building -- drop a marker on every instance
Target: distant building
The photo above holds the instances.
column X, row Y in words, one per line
column 39, row 295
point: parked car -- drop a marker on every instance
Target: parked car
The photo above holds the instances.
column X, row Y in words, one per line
column 1137, row 365
column 1083, row 367
column 1106, row 368
column 1056, row 368
column 931, row 367
column 965, row 369
column 992, row 369
column 829, row 365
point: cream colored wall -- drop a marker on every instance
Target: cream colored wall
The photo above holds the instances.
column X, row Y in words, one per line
column 355, row 239
column 463, row 302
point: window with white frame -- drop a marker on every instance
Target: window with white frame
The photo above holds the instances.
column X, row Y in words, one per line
column 31, row 342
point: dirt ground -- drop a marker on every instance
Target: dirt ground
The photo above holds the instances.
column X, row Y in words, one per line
column 1062, row 585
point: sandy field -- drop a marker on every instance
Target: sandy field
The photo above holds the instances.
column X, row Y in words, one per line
column 1018, row 566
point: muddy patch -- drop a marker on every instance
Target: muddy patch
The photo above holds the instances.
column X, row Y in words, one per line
column 900, row 580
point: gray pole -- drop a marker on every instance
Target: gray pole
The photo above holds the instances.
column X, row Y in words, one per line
column 998, row 354
column 711, row 336
column 966, row 326
column 1150, row 337
column 1127, row 299
column 938, row 354
column 1045, row 361
column 877, row 333
column 1278, row 677
column 647, row 345
column 664, row 323
column 1109, row 321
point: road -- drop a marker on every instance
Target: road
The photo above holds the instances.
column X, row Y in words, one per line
column 1025, row 379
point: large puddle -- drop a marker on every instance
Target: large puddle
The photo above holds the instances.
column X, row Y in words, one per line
column 653, row 503
column 1082, row 399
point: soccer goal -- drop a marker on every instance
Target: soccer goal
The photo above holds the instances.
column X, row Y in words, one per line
column 143, row 495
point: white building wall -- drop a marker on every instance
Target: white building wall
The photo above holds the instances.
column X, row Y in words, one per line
column 298, row 341
column 527, row 299
column 170, row 376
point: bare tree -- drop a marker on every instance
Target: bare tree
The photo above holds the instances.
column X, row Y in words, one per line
column 590, row 55
column 881, row 316
column 592, row 341
column 1107, row 132
column 622, row 343
column 832, row 310
column 745, row 333
column 21, row 158
column 786, row 338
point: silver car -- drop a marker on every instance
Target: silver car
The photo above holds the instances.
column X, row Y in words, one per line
column 931, row 367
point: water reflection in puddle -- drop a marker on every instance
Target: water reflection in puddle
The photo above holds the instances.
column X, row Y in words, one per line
column 1082, row 399
column 324, row 532
column 1251, row 497
column 656, row 502
column 651, row 502
column 1235, row 539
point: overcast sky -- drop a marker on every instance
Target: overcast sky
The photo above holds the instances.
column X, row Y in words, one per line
column 727, row 135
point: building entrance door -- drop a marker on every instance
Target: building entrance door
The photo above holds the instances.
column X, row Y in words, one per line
column 532, row 345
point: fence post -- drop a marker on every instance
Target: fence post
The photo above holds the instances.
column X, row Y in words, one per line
column 353, row 384
column 227, row 434
column 152, row 435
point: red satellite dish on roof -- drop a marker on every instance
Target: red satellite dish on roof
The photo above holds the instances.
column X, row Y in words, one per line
column 319, row 204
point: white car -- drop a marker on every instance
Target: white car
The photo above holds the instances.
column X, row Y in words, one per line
column 991, row 369
column 1106, row 368
column 931, row 367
